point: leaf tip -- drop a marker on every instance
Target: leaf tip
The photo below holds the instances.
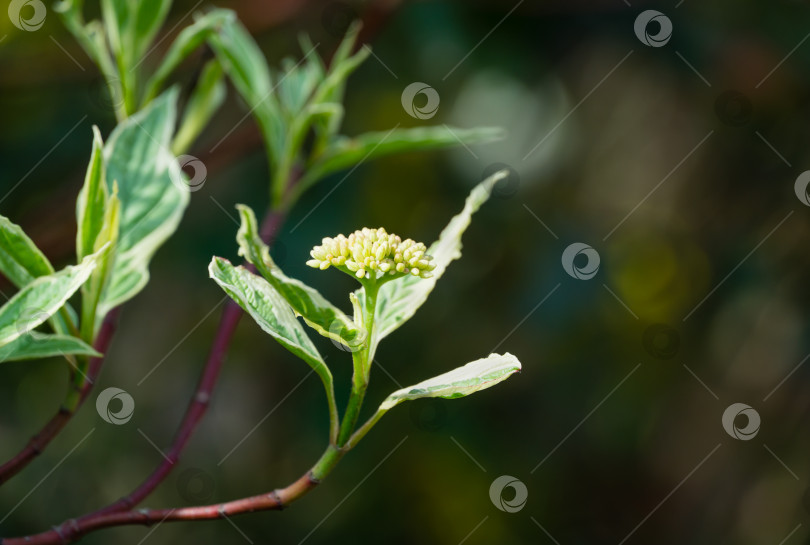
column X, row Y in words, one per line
column 216, row 262
column 97, row 141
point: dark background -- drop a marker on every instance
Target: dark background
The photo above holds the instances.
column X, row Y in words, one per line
column 612, row 405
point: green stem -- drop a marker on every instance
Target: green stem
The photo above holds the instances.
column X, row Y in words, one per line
column 361, row 362
column 116, row 94
column 327, row 462
column 364, row 429
column 359, row 386
column 334, row 418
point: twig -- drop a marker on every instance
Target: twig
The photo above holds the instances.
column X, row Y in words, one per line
column 74, row 529
column 41, row 440
column 199, row 402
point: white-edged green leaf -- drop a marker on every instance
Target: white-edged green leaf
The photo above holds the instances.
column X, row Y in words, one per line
column 269, row 310
column 20, row 259
column 91, row 201
column 93, row 289
column 21, row 262
column 40, row 299
column 247, row 68
column 34, row 346
column 152, row 192
column 307, row 302
column 399, row 299
column 344, row 152
column 462, row 381
column 187, row 41
column 205, row 100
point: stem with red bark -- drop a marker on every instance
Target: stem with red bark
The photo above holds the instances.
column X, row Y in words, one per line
column 41, row 440
column 279, row 498
column 199, row 402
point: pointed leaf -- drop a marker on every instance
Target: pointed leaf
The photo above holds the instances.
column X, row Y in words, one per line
column 93, row 289
column 269, row 310
column 460, row 382
column 345, row 152
column 40, row 299
column 205, row 100
column 20, row 260
column 90, row 36
column 307, row 302
column 147, row 18
column 330, row 90
column 247, row 68
column 91, row 201
column 38, row 346
column 152, row 192
column 116, row 15
column 297, row 83
column 341, row 66
column 399, row 299
column 187, row 41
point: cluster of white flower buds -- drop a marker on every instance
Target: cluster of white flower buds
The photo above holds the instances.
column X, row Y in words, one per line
column 367, row 251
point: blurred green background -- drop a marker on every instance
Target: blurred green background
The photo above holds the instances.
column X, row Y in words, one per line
column 676, row 164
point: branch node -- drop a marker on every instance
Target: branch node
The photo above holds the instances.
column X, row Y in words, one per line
column 145, row 513
column 58, row 530
column 73, row 530
column 202, row 398
column 277, row 499
column 312, row 478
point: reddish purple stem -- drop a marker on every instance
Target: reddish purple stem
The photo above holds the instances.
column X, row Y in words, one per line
column 41, row 440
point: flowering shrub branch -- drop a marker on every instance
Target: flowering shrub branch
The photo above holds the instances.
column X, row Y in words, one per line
column 134, row 176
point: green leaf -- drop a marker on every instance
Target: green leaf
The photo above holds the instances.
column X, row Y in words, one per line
column 342, row 65
column 93, row 289
column 152, row 191
column 247, row 68
column 314, row 308
column 20, row 260
column 39, row 300
column 345, row 152
column 297, row 83
column 97, row 218
column 37, row 346
column 92, row 38
column 147, row 18
column 116, row 15
column 189, row 39
column 269, row 310
column 242, row 60
column 92, row 199
column 205, row 100
column 462, row 381
column 399, row 299
column 331, row 90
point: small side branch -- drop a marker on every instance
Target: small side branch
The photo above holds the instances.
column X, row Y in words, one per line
column 202, row 395
column 40, row 441
column 74, row 529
